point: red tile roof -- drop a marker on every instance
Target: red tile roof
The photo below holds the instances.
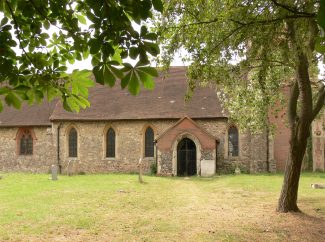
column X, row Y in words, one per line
column 166, row 101
column 34, row 115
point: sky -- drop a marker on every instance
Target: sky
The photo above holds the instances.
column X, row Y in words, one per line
column 86, row 64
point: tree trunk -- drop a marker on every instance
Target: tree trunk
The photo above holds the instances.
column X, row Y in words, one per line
column 289, row 192
column 299, row 125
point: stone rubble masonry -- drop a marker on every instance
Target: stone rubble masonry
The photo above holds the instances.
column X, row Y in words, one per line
column 44, row 152
column 129, row 148
column 318, row 138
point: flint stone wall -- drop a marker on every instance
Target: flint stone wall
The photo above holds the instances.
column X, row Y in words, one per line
column 129, row 148
column 44, row 153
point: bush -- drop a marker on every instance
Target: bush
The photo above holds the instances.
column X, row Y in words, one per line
column 153, row 168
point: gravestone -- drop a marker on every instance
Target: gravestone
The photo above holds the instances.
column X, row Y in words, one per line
column 208, row 168
column 140, row 170
column 54, row 172
column 317, row 186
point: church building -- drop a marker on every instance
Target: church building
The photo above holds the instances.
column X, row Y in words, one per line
column 178, row 138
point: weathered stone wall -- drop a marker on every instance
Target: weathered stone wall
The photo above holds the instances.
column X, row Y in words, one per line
column 43, row 151
column 252, row 156
column 129, row 148
column 318, row 137
column 129, row 145
column 91, row 145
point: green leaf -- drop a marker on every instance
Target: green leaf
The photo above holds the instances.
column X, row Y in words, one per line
column 51, row 93
column 81, row 19
column 133, row 52
column 125, row 80
column 1, row 106
column 158, row 5
column 134, row 85
column 99, row 74
column 66, row 105
column 46, row 24
column 95, row 60
column 83, row 102
column 150, row 36
column 12, row 100
column 3, row 21
column 80, row 82
column 149, row 70
column 73, row 104
column 117, row 72
column 321, row 14
column 319, row 45
column 152, row 48
column 95, row 46
column 146, row 79
column 117, row 56
column 4, row 90
column 109, row 78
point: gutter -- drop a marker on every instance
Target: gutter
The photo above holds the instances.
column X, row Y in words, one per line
column 155, row 144
column 267, row 149
column 58, row 149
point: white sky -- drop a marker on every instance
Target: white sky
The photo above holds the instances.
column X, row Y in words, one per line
column 86, row 64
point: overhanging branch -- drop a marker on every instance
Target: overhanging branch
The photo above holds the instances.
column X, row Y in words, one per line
column 292, row 107
column 320, row 101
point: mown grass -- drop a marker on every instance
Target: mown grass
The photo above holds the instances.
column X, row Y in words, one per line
column 115, row 207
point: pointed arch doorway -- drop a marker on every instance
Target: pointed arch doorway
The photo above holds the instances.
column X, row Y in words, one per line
column 186, row 158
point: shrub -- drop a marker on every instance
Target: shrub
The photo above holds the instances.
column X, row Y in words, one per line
column 153, row 168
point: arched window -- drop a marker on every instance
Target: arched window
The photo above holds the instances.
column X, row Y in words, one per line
column 233, row 148
column 110, row 143
column 149, row 143
column 73, row 143
column 26, row 143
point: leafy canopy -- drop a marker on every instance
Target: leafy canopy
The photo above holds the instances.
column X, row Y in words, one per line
column 243, row 46
column 39, row 38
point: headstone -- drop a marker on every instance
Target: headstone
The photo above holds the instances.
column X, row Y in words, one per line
column 54, row 172
column 208, row 168
column 317, row 186
column 237, row 170
column 140, row 170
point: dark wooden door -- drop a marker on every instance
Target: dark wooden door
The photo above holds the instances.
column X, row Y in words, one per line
column 186, row 158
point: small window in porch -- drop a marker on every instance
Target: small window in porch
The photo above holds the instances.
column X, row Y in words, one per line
column 233, row 148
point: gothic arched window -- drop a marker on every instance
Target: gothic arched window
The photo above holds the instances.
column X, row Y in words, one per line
column 110, row 143
column 73, row 142
column 149, row 143
column 233, row 148
column 26, row 143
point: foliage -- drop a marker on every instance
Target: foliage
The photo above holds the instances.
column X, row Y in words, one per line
column 320, row 43
column 242, row 46
column 153, row 168
column 39, row 38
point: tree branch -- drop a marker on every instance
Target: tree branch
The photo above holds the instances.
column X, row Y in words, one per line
column 320, row 101
column 18, row 32
column 292, row 105
column 291, row 9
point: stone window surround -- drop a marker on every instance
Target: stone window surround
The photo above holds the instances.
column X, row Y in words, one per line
column 66, row 134
column 198, row 151
column 116, row 130
column 18, row 136
column 107, row 127
column 143, row 134
column 226, row 156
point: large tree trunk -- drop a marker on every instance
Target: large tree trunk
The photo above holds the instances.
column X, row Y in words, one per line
column 299, row 125
column 289, row 193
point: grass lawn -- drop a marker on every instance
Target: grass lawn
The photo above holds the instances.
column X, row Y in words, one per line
column 115, row 207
